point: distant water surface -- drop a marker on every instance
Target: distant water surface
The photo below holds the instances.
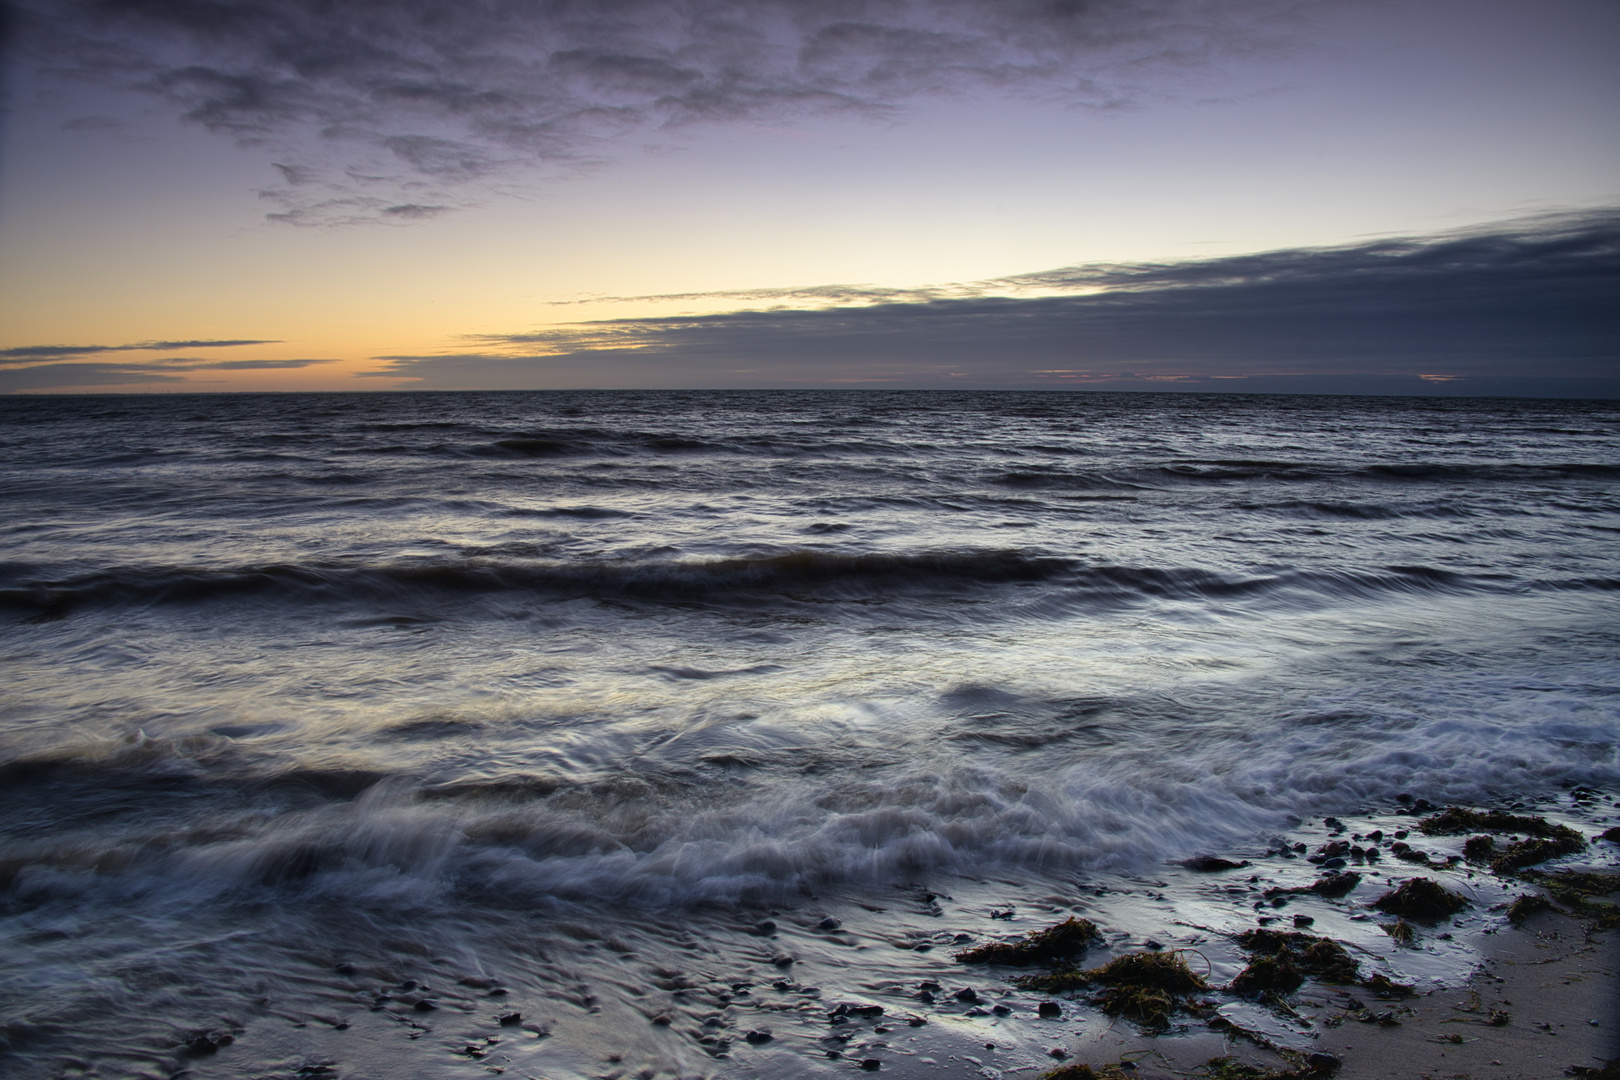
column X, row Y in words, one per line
column 414, row 680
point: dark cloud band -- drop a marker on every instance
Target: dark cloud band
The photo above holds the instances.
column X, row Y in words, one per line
column 1532, row 302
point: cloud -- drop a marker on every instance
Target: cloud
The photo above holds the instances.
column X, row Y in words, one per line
column 26, row 353
column 370, row 105
column 16, row 378
column 1531, row 304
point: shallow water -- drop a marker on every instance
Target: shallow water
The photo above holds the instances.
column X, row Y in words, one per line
column 567, row 691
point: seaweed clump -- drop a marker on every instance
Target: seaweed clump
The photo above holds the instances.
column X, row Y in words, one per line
column 1575, row 889
column 1526, row 906
column 1421, row 898
column 1230, row 1068
column 1544, row 839
column 1144, row 986
column 1061, row 942
column 1282, row 960
column 1072, row 1072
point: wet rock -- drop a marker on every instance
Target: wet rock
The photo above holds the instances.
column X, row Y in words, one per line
column 1612, row 835
column 829, row 923
column 1421, row 898
column 764, row 928
column 424, row 1006
column 1000, row 1010
column 782, row 960
column 1049, row 1010
column 871, row 1064
column 856, row 1009
column 1479, row 849
column 662, row 1020
column 916, row 1021
column 967, row 994
column 207, row 1042
column 758, row 1037
column 1210, row 864
column 509, row 1019
column 345, row 969
column 1301, row 921
column 1060, row 942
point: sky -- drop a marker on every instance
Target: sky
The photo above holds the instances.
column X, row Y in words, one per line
column 1320, row 196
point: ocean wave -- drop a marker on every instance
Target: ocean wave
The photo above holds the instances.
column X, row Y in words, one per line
column 673, row 841
column 821, row 576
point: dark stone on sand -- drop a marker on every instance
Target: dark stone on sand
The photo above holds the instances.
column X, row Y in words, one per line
column 916, row 1021
column 763, row 929
column 829, row 923
column 1334, row 863
column 871, row 1064
column 1000, row 1010
column 782, row 961
column 1210, row 864
column 509, row 1019
column 1421, row 898
column 661, row 1020
column 1322, row 1064
column 424, row 1006
column 925, row 996
column 847, row 1009
column 1049, row 1010
column 1612, row 835
column 345, row 969
column 967, row 994
column 758, row 1037
column 1302, row 921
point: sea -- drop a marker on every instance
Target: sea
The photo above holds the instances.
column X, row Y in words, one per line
column 626, row 734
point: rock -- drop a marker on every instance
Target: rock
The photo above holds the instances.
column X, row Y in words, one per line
column 916, row 1021
column 662, row 1020
column 764, row 928
column 424, row 1006
column 871, row 1064
column 1302, row 921
column 510, row 1019
column 782, row 960
column 829, row 923
column 1322, row 1064
column 967, row 994
column 1051, row 1010
column 1210, row 864
column 1000, row 1010
column 758, row 1037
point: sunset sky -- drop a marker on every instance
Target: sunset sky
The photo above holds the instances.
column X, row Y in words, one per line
column 1385, row 196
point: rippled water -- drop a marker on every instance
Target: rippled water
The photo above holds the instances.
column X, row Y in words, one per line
column 559, row 690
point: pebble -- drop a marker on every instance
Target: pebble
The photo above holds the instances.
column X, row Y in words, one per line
column 763, row 929
column 1049, row 1009
column 829, row 923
